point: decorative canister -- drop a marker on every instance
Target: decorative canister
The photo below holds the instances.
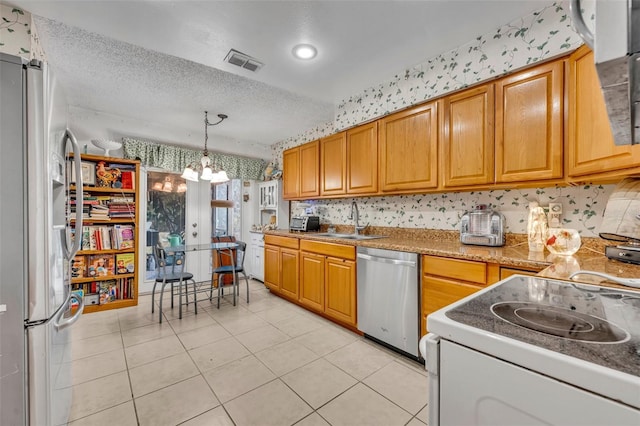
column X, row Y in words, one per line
column 563, row 241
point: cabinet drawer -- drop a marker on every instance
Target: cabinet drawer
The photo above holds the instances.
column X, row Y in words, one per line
column 507, row 272
column 465, row 270
column 329, row 249
column 282, row 241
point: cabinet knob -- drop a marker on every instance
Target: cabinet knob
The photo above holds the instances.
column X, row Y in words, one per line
column 195, row 225
column 194, row 233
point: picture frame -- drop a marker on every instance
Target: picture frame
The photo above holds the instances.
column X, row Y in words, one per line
column 88, row 173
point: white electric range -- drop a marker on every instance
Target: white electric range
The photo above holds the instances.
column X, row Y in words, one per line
column 530, row 351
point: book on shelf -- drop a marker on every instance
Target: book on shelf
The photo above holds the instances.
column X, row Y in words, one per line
column 108, row 291
column 100, row 265
column 124, row 236
column 128, row 179
column 125, row 263
column 78, row 267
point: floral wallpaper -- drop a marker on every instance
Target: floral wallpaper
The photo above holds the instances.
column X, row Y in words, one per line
column 15, row 31
column 18, row 35
column 541, row 35
column 525, row 41
column 582, row 208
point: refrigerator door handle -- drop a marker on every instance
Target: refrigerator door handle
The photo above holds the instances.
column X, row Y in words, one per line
column 71, row 252
column 61, row 323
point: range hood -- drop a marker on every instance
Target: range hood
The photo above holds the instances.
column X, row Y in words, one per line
column 616, row 45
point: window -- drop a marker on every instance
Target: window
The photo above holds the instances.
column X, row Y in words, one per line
column 225, row 220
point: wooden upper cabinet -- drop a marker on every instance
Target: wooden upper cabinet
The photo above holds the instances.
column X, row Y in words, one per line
column 409, row 149
column 309, row 166
column 529, row 118
column 468, row 137
column 300, row 171
column 591, row 149
column 362, row 159
column 291, row 173
column 333, row 164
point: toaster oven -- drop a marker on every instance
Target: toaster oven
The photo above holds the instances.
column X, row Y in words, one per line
column 304, row 223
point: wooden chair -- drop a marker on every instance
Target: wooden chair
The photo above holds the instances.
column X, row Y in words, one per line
column 226, row 268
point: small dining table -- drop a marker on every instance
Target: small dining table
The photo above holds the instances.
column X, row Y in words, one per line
column 187, row 248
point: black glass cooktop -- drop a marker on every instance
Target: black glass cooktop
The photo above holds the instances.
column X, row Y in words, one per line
column 596, row 324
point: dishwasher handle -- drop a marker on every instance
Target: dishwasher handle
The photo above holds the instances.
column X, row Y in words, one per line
column 410, row 263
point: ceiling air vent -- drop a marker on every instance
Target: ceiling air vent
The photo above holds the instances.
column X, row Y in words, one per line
column 244, row 61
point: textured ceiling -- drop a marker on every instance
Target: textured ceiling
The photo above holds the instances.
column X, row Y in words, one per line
column 162, row 61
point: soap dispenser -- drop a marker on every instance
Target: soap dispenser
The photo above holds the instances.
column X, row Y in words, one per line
column 537, row 227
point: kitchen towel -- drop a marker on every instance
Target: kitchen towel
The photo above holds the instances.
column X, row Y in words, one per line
column 621, row 221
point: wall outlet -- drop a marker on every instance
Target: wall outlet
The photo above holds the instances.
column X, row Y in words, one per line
column 554, row 216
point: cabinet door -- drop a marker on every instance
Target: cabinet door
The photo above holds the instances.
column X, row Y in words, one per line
column 309, row 167
column 291, row 173
column 289, row 273
column 362, row 159
column 312, row 280
column 468, row 137
column 340, row 290
column 438, row 293
column 529, row 117
column 272, row 267
column 507, row 272
column 409, row 149
column 591, row 149
column 333, row 164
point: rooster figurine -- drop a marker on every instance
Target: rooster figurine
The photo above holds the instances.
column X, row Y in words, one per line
column 107, row 177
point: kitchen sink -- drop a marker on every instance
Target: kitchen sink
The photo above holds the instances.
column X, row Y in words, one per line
column 349, row 236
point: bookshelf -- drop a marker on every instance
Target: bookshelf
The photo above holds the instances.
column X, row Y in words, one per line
column 106, row 268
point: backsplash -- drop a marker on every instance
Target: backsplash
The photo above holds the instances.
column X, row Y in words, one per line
column 582, row 206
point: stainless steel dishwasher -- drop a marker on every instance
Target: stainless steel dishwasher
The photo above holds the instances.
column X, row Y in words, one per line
column 388, row 298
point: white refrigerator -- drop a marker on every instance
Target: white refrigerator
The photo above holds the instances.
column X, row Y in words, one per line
column 35, row 244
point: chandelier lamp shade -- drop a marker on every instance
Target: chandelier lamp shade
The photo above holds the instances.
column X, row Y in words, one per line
column 208, row 171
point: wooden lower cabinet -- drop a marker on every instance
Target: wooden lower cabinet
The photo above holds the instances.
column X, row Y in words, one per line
column 272, row 267
column 312, row 268
column 446, row 280
column 289, row 269
column 281, row 265
column 328, row 280
column 440, row 292
column 340, row 290
column 319, row 276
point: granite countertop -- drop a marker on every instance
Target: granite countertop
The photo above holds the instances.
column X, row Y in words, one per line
column 515, row 253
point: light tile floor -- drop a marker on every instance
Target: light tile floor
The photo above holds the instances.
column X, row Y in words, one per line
column 265, row 363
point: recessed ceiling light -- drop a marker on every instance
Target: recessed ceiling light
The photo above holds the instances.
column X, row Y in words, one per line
column 304, row 51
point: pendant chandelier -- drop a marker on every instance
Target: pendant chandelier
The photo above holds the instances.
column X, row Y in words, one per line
column 208, row 170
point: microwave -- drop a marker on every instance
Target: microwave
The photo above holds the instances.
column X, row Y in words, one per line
column 305, row 223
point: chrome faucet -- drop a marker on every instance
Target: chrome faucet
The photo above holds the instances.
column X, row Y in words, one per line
column 355, row 216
